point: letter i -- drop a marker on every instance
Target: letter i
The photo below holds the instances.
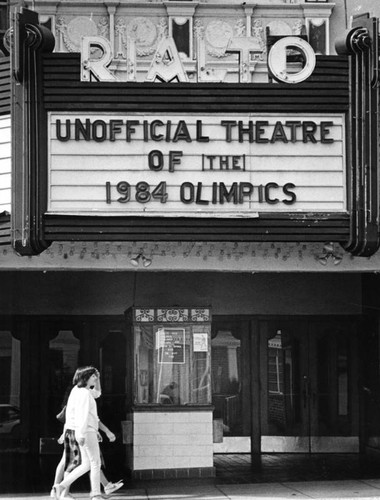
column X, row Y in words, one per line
column 261, row 193
column 168, row 131
column 214, row 193
column 146, row 131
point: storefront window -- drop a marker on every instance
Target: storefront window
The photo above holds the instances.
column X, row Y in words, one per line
column 9, row 384
column 172, row 364
column 111, row 406
column 226, row 382
column 283, row 391
column 63, row 357
column 342, row 377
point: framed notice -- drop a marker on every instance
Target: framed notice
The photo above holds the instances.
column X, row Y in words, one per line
column 200, row 342
column 170, row 343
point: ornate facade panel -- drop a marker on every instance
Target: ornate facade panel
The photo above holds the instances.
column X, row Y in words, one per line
column 202, row 30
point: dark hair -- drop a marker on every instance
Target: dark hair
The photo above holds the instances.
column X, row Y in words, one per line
column 82, row 375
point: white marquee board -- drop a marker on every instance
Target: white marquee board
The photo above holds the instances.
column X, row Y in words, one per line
column 199, row 165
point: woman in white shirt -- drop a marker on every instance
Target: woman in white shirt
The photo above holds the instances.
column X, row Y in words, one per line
column 81, row 428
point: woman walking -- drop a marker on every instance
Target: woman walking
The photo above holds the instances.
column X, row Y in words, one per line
column 81, row 428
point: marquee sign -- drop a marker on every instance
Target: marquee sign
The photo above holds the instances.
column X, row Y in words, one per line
column 203, row 165
column 166, row 65
column 124, row 160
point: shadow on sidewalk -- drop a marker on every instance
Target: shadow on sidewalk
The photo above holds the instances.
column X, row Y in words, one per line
column 24, row 473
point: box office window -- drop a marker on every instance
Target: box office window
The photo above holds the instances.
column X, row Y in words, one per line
column 10, row 380
column 172, row 364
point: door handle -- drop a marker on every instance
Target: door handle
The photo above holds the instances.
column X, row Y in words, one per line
column 306, row 390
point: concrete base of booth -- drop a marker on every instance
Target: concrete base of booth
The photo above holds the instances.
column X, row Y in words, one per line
column 171, row 443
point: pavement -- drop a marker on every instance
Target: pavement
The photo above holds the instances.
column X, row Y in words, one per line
column 321, row 490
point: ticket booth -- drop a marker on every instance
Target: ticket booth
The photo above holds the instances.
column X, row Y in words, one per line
column 170, row 417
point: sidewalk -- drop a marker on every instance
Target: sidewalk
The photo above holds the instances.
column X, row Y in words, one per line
column 321, row 490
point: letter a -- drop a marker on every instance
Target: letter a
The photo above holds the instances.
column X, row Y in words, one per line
column 166, row 65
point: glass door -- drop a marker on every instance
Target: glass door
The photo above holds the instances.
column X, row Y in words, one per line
column 333, row 398
column 309, row 399
column 285, row 401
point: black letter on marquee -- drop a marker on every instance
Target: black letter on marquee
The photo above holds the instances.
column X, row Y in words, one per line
column 174, row 159
column 308, row 130
column 292, row 195
column 156, row 154
column 115, row 128
column 190, row 186
column 260, row 131
column 268, row 199
column 278, row 133
column 130, row 129
column 293, row 127
column 200, row 137
column 58, row 131
column 228, row 195
column 103, row 130
column 199, row 200
column 325, row 131
column 228, row 124
column 182, row 132
column 245, row 189
column 80, row 129
column 153, row 135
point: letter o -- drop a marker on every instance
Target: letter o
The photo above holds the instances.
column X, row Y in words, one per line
column 103, row 131
column 190, row 198
column 277, row 59
column 156, row 155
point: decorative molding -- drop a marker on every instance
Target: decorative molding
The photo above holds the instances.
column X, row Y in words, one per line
column 171, row 315
column 180, row 255
column 103, row 28
column 144, row 315
column 217, row 35
column 257, row 32
column 75, row 29
column 145, row 34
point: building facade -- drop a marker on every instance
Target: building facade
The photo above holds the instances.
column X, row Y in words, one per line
column 189, row 201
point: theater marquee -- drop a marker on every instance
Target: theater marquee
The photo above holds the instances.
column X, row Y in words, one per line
column 227, row 165
column 115, row 159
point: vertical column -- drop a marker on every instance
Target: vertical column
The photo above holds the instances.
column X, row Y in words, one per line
column 111, row 8
column 255, row 392
column 181, row 27
column 317, row 21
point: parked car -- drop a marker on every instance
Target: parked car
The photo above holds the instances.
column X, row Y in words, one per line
column 9, row 418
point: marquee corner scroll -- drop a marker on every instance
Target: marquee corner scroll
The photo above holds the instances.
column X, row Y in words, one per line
column 27, row 39
column 361, row 42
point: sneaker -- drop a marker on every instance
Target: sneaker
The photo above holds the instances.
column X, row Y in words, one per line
column 58, row 491
column 112, row 487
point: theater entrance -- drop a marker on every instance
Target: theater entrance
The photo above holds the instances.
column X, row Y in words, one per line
column 309, row 386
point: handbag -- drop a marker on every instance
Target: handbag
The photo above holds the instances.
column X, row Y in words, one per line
column 61, row 416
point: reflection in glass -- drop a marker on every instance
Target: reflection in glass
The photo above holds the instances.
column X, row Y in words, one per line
column 63, row 361
column 342, row 377
column 112, row 365
column 283, row 390
column 9, row 383
column 226, row 382
column 172, row 364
